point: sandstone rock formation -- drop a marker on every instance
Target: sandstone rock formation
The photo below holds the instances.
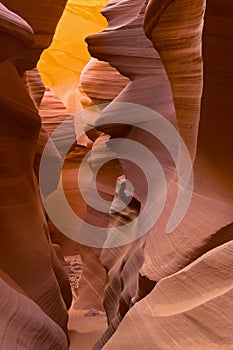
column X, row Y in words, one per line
column 34, row 86
column 177, row 36
column 61, row 64
column 43, row 18
column 123, row 263
column 27, row 255
column 216, row 197
column 97, row 88
column 53, row 113
column 23, row 324
column 191, row 309
column 159, row 290
column 96, row 91
column 20, row 35
column 207, row 223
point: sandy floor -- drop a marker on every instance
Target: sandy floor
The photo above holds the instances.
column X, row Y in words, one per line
column 85, row 331
column 85, row 326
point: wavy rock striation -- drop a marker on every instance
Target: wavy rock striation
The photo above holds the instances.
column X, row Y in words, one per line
column 123, row 263
column 172, row 72
column 207, row 221
column 188, row 310
column 43, row 18
column 97, row 88
column 27, row 256
column 23, row 324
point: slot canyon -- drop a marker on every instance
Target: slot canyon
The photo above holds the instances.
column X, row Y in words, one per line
column 116, row 175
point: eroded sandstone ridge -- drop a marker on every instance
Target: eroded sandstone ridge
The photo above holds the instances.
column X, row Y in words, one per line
column 35, row 292
column 182, row 48
column 160, row 290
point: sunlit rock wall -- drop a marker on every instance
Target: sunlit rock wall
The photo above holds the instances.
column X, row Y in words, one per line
column 61, row 64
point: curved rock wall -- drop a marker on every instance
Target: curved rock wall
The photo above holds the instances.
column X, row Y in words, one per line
column 191, row 309
column 118, row 46
column 176, row 30
column 162, row 291
column 210, row 209
column 27, row 255
column 97, row 88
column 23, row 324
column 38, row 15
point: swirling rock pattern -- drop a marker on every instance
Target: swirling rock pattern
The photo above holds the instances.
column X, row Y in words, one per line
column 38, row 15
column 191, row 309
column 36, row 90
column 187, row 273
column 97, row 91
column 197, row 233
column 176, row 30
column 16, row 33
column 34, row 86
column 97, row 88
column 150, row 77
column 123, row 262
column 23, row 324
column 19, row 200
column 27, row 255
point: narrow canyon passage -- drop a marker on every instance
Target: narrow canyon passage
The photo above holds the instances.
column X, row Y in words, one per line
column 116, row 168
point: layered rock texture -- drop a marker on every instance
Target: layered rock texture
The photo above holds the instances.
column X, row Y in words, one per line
column 162, row 63
column 123, row 263
column 35, row 291
column 43, row 18
column 180, row 46
column 190, row 309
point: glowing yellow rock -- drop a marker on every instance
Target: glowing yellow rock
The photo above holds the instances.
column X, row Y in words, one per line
column 61, row 64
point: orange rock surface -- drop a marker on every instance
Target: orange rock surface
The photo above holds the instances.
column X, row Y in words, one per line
column 160, row 291
column 61, row 64
column 35, row 291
